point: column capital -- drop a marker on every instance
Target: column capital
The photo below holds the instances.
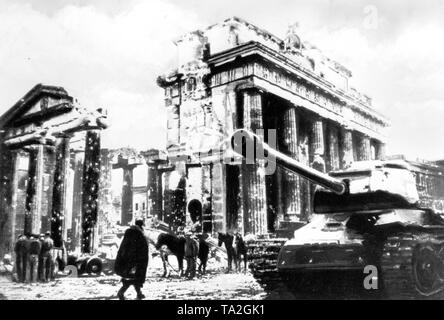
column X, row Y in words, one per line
column 248, row 86
column 365, row 136
column 317, row 117
column 18, row 152
column 346, row 127
column 318, row 136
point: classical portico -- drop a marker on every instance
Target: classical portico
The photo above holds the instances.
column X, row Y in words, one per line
column 40, row 131
column 236, row 75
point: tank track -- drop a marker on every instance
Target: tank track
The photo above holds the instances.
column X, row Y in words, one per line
column 403, row 257
column 262, row 258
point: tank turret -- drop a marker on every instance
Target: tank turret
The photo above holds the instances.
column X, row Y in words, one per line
column 380, row 213
column 367, row 185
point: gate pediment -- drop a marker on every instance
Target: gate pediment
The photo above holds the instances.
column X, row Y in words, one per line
column 44, row 113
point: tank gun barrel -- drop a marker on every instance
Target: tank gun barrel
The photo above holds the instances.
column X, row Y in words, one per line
column 247, row 144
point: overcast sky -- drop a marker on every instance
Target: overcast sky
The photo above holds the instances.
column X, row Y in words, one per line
column 108, row 53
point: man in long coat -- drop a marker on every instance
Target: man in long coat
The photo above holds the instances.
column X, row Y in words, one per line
column 132, row 260
column 22, row 256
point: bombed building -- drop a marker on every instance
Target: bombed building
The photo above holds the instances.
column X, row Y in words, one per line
column 50, row 169
column 235, row 75
column 122, row 207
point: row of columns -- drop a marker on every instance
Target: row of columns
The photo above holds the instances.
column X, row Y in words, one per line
column 55, row 160
column 323, row 152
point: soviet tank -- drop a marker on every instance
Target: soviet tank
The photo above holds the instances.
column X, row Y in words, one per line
column 380, row 213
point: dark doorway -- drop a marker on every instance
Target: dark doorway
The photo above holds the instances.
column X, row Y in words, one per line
column 232, row 182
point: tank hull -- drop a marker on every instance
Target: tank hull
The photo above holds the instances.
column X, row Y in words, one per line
column 382, row 213
column 407, row 255
column 294, row 258
column 325, row 244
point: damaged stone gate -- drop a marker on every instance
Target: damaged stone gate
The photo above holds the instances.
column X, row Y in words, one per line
column 236, row 75
column 49, row 169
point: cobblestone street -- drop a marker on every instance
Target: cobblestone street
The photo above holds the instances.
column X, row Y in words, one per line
column 215, row 285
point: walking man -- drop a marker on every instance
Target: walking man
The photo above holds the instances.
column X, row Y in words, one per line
column 132, row 260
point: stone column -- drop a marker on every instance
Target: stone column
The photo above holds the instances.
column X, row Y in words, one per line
column 154, row 190
column 9, row 165
column 317, row 145
column 14, row 189
column 77, row 159
column 91, row 176
column 34, row 190
column 347, row 147
column 364, row 151
column 127, row 189
column 105, row 200
column 380, row 150
column 219, row 191
column 154, row 160
column 304, row 158
column 317, row 149
column 207, row 187
column 253, row 175
column 59, row 190
column 291, row 183
column 333, row 147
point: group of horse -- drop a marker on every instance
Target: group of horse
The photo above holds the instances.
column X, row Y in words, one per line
column 172, row 244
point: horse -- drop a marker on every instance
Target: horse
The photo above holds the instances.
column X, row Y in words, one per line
column 167, row 244
column 228, row 239
column 240, row 251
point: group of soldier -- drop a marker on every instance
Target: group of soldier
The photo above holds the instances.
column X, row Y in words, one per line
column 34, row 258
column 195, row 247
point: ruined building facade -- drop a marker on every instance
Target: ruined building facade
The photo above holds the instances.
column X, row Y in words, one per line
column 122, row 208
column 50, row 169
column 236, row 75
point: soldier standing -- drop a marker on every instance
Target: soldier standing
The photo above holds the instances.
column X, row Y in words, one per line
column 46, row 264
column 21, row 256
column 34, row 253
column 191, row 251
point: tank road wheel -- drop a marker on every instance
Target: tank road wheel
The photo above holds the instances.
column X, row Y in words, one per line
column 412, row 266
column 428, row 270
